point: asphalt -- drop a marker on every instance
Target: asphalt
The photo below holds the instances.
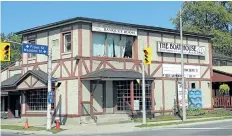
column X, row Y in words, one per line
column 222, row 128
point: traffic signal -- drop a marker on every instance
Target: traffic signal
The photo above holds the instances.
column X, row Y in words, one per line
column 147, row 55
column 5, row 51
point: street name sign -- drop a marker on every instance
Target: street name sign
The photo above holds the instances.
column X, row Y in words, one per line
column 34, row 48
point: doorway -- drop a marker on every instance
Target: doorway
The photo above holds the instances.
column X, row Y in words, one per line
column 98, row 97
column 14, row 105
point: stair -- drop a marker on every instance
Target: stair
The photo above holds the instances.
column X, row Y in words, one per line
column 113, row 119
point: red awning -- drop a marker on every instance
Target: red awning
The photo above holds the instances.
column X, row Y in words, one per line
column 219, row 76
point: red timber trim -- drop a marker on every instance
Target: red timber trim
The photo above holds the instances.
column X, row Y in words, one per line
column 132, row 94
column 156, row 70
column 190, row 79
column 66, row 97
column 80, row 69
column 163, row 95
column 91, row 49
column 136, row 52
column 148, row 44
column 153, row 96
column 211, row 71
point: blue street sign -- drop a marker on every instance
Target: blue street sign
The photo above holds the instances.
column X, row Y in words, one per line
column 50, row 94
column 53, row 80
column 50, row 100
column 34, row 48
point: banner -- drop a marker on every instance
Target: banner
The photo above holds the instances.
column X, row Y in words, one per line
column 195, row 98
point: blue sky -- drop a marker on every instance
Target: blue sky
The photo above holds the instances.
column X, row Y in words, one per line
column 17, row 16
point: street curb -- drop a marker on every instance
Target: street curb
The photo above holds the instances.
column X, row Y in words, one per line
column 185, row 124
column 42, row 132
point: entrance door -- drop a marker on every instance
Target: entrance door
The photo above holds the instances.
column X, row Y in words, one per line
column 14, row 106
column 97, row 98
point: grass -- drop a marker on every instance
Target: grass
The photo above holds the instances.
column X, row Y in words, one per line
column 176, row 123
column 191, row 115
column 13, row 127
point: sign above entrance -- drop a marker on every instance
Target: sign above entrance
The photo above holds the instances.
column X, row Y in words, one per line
column 176, row 48
column 114, row 29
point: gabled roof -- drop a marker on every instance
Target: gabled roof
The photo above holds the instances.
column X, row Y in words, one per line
column 110, row 74
column 220, row 76
column 91, row 20
column 13, row 81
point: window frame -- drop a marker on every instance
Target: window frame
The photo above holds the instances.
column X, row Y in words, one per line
column 64, row 42
column 120, row 42
column 33, row 102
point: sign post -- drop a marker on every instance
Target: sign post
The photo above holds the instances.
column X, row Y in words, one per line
column 43, row 49
column 50, row 96
column 182, row 71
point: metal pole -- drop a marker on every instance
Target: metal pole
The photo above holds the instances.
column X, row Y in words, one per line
column 49, row 117
column 182, row 70
column 144, row 100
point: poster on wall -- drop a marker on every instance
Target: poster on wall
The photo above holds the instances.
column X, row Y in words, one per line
column 195, row 98
column 174, row 71
column 180, row 95
column 136, row 105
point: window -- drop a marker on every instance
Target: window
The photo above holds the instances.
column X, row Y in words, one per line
column 55, row 43
column 112, row 45
column 123, row 94
column 193, row 85
column 31, row 55
column 67, row 42
column 223, row 63
column 37, row 100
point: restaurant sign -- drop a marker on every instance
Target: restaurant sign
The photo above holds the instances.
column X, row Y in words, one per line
column 176, row 48
column 98, row 27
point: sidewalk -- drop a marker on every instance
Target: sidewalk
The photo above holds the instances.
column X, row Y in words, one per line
column 113, row 128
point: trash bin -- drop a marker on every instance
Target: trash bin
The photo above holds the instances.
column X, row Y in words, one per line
column 16, row 113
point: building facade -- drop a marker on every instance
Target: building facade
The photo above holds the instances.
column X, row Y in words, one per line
column 97, row 64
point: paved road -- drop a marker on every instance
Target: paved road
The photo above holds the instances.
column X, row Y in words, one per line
column 223, row 128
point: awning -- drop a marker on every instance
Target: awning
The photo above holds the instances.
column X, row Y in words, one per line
column 12, row 82
column 110, row 74
column 220, row 76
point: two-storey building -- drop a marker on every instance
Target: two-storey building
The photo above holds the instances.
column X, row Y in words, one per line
column 98, row 67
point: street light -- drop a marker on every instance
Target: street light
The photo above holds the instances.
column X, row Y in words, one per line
column 182, row 71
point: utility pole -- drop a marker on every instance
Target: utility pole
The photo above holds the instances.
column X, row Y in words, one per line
column 49, row 117
column 144, row 100
column 182, row 71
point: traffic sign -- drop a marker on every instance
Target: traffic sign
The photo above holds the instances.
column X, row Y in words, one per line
column 34, row 48
column 53, row 80
column 50, row 94
column 50, row 100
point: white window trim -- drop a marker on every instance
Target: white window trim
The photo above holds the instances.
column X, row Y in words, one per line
column 65, row 51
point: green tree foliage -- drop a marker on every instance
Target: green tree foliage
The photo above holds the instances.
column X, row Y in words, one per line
column 208, row 18
column 15, row 47
column 224, row 89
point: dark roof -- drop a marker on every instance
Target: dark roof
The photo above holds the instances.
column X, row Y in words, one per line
column 110, row 74
column 13, row 81
column 221, row 56
column 91, row 20
column 222, row 72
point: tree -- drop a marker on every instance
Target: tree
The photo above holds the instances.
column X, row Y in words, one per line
column 209, row 18
column 224, row 89
column 15, row 48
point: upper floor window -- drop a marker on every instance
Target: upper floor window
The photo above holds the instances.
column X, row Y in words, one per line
column 112, row 45
column 67, row 42
column 31, row 55
column 223, row 63
column 215, row 62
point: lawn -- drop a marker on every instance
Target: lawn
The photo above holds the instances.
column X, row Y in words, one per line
column 13, row 127
column 176, row 123
column 191, row 114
